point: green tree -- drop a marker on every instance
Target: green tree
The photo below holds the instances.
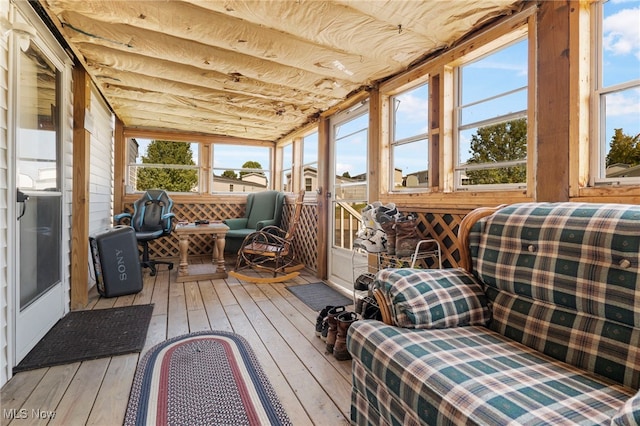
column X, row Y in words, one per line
column 497, row 143
column 230, row 174
column 175, row 180
column 624, row 149
column 250, row 165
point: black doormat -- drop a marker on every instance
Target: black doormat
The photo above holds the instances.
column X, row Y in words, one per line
column 318, row 295
column 84, row 335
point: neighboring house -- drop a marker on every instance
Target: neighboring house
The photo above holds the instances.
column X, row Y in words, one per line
column 225, row 184
column 623, row 170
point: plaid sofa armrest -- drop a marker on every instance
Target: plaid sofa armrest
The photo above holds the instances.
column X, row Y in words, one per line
column 430, row 298
column 629, row 414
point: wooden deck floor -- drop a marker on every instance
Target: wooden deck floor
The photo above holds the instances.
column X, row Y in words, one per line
column 313, row 386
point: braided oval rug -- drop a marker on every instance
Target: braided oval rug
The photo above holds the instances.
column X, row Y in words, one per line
column 204, row 378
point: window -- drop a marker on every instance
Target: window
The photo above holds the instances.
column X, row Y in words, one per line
column 241, row 168
column 409, row 143
column 617, row 92
column 491, row 118
column 287, row 168
column 310, row 162
column 163, row 164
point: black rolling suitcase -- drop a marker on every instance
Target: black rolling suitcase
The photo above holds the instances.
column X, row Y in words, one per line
column 116, row 262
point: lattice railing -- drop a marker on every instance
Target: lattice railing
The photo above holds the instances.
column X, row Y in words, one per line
column 441, row 226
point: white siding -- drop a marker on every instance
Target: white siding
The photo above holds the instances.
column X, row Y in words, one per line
column 101, row 165
column 67, row 181
column 101, row 168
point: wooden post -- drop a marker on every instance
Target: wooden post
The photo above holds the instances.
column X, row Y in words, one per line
column 119, row 167
column 553, row 103
column 80, row 204
column 324, row 204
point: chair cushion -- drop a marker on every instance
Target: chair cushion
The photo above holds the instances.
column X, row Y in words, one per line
column 434, row 298
column 262, row 208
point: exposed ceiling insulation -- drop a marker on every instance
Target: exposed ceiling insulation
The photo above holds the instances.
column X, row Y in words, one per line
column 252, row 69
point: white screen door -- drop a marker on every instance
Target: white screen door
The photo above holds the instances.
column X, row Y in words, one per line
column 349, row 153
column 39, row 295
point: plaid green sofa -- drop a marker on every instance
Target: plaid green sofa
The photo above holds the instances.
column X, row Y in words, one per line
column 542, row 327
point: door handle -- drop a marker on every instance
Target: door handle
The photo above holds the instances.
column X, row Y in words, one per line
column 21, row 197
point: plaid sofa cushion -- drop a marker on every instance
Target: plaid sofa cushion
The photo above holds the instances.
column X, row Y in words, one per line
column 564, row 278
column 629, row 414
column 433, row 298
column 468, row 375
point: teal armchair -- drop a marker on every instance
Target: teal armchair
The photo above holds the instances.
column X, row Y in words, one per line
column 263, row 209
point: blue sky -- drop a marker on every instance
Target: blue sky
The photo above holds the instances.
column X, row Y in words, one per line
column 621, row 63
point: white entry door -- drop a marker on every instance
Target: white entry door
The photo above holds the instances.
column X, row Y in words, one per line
column 38, row 291
column 349, row 188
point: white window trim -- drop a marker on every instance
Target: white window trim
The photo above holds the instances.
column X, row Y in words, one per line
column 424, row 81
column 598, row 131
column 513, row 37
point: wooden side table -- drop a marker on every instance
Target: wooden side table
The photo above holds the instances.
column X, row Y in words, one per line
column 204, row 271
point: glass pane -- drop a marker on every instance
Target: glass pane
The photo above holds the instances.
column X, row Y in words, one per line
column 167, row 178
column 347, row 221
column 498, row 175
column 620, row 42
column 350, row 191
column 622, row 133
column 40, row 236
column 36, row 135
column 351, row 150
column 287, row 156
column 505, row 141
column 310, row 148
column 37, row 171
column 230, row 164
column 496, row 107
column 287, row 163
column 499, row 72
column 310, row 177
column 411, row 164
column 182, row 157
column 411, row 113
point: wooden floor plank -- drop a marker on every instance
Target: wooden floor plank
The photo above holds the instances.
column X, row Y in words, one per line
column 157, row 332
column 193, row 298
column 212, row 305
column 160, row 297
column 178, row 323
column 75, row 406
column 17, row 390
column 111, row 402
column 50, row 390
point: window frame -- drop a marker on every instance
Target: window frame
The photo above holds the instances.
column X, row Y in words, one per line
column 132, row 166
column 393, row 142
column 598, row 105
column 268, row 172
column 523, row 32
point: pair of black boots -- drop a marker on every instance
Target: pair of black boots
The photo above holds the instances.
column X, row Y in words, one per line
column 332, row 325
